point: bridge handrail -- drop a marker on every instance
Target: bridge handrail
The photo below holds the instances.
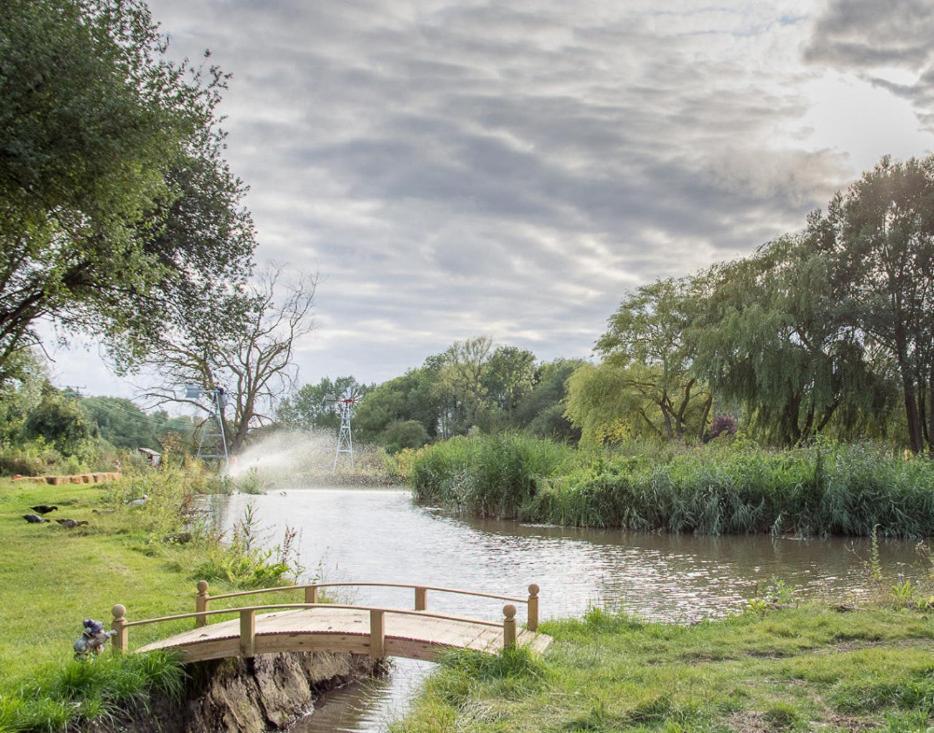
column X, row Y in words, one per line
column 203, row 598
column 247, row 636
column 410, row 586
column 283, row 606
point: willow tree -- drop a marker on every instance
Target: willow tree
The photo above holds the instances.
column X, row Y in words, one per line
column 646, row 381
column 771, row 335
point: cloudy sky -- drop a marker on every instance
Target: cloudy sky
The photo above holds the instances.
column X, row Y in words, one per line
column 455, row 168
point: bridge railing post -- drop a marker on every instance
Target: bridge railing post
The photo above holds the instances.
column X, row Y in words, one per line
column 532, row 623
column 311, row 594
column 120, row 639
column 421, row 599
column 248, row 633
column 509, row 626
column 201, row 603
column 377, row 634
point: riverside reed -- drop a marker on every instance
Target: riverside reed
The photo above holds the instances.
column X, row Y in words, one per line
column 733, row 488
column 148, row 557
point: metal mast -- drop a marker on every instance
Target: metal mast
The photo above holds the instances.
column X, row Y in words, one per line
column 212, row 443
column 344, row 435
column 345, row 407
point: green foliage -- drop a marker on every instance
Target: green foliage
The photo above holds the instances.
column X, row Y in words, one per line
column 59, row 420
column 312, row 405
column 92, row 689
column 242, row 561
column 470, row 386
column 403, row 434
column 842, row 490
column 123, row 424
column 489, row 475
column 113, row 197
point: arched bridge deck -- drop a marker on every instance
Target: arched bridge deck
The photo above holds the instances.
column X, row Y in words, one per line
column 416, row 633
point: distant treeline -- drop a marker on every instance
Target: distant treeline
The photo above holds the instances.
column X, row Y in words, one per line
column 472, row 386
column 826, row 331
column 44, row 428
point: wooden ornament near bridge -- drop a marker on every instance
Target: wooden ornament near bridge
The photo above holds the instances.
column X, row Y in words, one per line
column 415, row 633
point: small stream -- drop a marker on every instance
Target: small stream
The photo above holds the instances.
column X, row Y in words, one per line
column 380, row 535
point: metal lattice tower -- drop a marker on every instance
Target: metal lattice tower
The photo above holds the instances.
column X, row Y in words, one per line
column 345, row 407
column 212, row 443
column 344, row 435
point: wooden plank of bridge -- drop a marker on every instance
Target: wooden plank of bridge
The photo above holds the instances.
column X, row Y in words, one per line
column 324, row 629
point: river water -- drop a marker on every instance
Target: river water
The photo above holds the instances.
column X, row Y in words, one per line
column 380, row 535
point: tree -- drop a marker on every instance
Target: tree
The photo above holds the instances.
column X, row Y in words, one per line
column 880, row 234
column 462, row 384
column 411, row 397
column 113, row 194
column 312, row 405
column 253, row 363
column 59, row 420
column 403, row 434
column 21, row 392
column 508, row 376
column 123, row 423
column 541, row 411
column 649, row 359
column 771, row 336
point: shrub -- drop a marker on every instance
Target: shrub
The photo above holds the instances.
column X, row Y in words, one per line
column 403, row 434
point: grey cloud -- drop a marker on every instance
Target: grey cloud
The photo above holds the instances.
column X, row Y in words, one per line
column 869, row 33
column 457, row 167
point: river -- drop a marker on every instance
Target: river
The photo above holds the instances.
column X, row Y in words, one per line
column 381, row 535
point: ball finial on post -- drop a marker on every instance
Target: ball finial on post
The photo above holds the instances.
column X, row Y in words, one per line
column 119, row 627
column 201, row 603
column 533, row 608
column 509, row 626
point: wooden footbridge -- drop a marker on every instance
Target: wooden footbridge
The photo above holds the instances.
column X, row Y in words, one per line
column 416, row 633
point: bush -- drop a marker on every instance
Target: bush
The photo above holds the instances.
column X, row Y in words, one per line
column 403, row 434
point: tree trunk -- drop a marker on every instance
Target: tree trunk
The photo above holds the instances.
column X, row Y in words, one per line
column 909, row 390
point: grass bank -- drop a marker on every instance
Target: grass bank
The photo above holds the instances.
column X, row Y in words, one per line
column 793, row 669
column 716, row 489
column 147, row 557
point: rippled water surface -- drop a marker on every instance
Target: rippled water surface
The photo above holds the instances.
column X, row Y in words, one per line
column 379, row 534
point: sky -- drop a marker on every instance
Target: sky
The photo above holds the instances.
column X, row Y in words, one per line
column 453, row 169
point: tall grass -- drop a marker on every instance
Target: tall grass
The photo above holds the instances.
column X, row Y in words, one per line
column 61, row 695
column 488, row 475
column 730, row 489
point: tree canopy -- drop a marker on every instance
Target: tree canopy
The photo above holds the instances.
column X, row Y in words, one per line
column 115, row 202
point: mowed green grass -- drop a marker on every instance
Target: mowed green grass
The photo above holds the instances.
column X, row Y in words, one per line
column 52, row 578
column 805, row 669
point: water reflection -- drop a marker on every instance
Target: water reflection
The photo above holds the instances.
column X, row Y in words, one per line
column 378, row 534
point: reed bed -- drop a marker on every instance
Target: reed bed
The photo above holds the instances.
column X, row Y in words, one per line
column 839, row 489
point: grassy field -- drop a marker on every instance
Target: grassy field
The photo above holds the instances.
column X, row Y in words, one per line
column 797, row 669
column 731, row 488
column 51, row 578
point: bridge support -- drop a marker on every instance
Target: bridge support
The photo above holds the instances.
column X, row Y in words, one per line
column 248, row 633
column 509, row 627
column 377, row 634
column 421, row 599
